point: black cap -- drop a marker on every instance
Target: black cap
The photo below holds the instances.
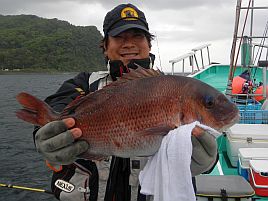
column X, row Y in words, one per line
column 122, row 18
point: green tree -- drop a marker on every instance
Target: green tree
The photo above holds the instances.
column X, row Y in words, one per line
column 32, row 42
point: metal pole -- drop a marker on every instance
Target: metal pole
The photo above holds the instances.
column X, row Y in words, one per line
column 191, row 63
column 264, row 70
column 208, row 56
column 233, row 50
column 202, row 58
column 251, row 32
column 196, row 62
column 183, row 66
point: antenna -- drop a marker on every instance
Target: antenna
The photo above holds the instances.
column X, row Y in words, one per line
column 158, row 51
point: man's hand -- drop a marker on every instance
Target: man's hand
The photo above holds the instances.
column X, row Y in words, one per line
column 57, row 143
column 204, row 153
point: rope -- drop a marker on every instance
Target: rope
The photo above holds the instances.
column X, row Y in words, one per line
column 240, row 42
column 234, row 57
column 261, row 48
column 261, row 44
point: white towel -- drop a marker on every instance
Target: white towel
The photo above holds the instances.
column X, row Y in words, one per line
column 167, row 174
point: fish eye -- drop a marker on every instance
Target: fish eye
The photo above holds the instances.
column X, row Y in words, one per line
column 209, row 101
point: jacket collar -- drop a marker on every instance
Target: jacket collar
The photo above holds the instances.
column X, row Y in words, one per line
column 117, row 68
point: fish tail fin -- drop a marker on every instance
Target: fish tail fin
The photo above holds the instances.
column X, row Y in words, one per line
column 34, row 110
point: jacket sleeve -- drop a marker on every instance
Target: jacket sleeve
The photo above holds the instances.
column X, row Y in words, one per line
column 82, row 174
column 69, row 91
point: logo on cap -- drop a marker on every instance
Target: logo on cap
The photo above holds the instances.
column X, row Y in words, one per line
column 129, row 13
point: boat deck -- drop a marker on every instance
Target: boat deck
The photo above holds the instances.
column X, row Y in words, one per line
column 224, row 166
column 216, row 75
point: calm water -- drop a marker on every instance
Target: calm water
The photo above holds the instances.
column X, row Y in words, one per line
column 20, row 164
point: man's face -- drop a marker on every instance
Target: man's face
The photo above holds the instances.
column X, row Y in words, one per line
column 128, row 45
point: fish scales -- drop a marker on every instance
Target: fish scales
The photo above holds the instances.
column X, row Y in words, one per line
column 131, row 110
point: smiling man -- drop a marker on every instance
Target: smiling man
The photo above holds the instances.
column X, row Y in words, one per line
column 126, row 45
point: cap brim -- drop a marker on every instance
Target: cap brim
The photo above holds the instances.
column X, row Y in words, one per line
column 118, row 30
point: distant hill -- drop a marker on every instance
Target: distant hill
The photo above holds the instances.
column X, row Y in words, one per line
column 33, row 43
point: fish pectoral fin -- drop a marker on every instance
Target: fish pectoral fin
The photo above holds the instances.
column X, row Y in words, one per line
column 92, row 157
column 159, row 130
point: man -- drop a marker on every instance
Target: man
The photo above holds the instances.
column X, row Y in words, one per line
column 126, row 44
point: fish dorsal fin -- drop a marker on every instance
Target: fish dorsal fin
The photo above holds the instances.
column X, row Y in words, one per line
column 69, row 109
column 103, row 95
column 136, row 74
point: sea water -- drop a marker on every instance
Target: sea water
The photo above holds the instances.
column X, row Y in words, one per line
column 20, row 164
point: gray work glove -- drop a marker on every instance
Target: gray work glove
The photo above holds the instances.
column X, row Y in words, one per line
column 57, row 143
column 204, row 153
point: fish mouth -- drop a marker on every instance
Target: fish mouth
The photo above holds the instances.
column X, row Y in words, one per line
column 234, row 120
column 198, row 130
column 223, row 126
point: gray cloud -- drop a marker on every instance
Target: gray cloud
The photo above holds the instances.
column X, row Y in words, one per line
column 16, row 5
column 171, row 4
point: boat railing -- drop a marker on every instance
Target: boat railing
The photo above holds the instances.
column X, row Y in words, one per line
column 256, row 54
column 192, row 56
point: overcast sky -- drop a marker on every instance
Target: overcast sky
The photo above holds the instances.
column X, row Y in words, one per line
column 179, row 25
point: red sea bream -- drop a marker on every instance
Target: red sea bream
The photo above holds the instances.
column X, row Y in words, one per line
column 130, row 116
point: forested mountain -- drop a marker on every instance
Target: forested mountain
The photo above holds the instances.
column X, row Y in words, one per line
column 30, row 42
